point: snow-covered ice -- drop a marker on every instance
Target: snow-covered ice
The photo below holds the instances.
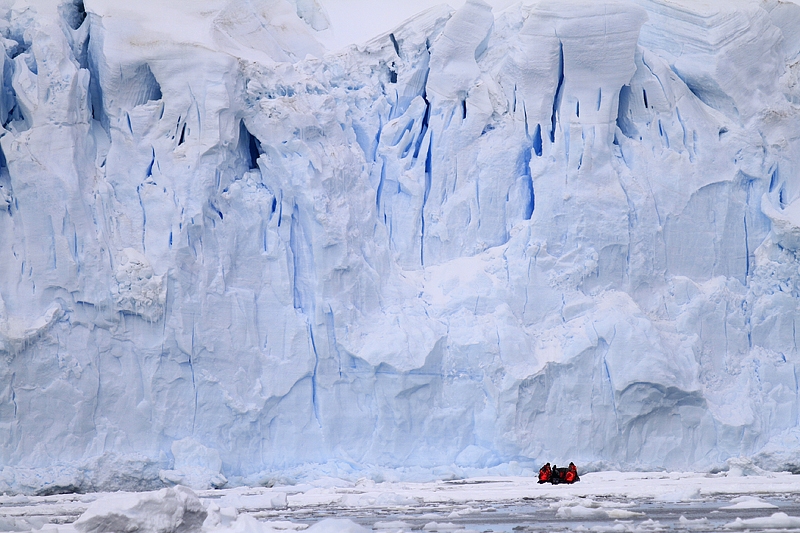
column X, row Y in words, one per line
column 169, row 509
column 607, row 501
column 749, row 502
column 233, row 252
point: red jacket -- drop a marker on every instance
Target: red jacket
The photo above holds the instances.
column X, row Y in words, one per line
column 545, row 473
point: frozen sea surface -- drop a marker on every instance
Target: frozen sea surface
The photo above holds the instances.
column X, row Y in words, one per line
column 606, row 501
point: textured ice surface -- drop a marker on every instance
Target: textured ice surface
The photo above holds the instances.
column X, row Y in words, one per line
column 167, row 510
column 563, row 231
column 604, row 501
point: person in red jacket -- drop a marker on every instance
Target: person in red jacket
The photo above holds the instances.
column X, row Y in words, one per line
column 545, row 473
column 572, row 474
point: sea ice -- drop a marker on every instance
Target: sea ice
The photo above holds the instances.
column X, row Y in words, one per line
column 607, row 501
column 775, row 521
column 749, row 502
column 170, row 510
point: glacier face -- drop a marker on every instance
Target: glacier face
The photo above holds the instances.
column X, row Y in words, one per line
column 565, row 231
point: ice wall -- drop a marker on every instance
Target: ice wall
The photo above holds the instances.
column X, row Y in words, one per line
column 567, row 231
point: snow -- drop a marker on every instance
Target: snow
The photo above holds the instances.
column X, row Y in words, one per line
column 357, row 21
column 266, row 242
column 607, row 501
column 775, row 521
column 167, row 510
column 749, row 502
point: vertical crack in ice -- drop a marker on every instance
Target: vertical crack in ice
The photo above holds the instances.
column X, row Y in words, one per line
column 514, row 100
column 381, row 181
column 527, row 287
column 660, row 83
column 773, row 178
column 613, row 394
column 455, row 184
column 53, row 255
column 655, row 205
column 333, row 344
column 314, row 398
column 530, row 202
column 604, row 345
column 631, row 219
column 558, row 94
column 374, row 159
column 685, row 133
column 373, row 155
column 749, row 184
column 250, row 146
column 302, row 265
column 196, row 110
column 424, row 128
column 194, row 384
column 624, row 117
column 524, row 166
column 75, row 251
column 302, row 261
column 183, row 135
column 150, row 166
column 144, row 216
column 746, row 248
column 506, row 266
column 13, row 393
column 725, row 334
column 477, row 198
column 167, row 306
column 98, row 399
column 426, row 193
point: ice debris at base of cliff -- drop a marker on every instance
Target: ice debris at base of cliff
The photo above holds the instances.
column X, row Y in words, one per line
column 563, row 231
column 604, row 501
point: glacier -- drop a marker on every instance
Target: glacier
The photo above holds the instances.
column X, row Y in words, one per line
column 562, row 230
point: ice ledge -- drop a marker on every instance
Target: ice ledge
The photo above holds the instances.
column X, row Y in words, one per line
column 16, row 334
column 785, row 222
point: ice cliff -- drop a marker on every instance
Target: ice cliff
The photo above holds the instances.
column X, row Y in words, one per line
column 563, row 231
